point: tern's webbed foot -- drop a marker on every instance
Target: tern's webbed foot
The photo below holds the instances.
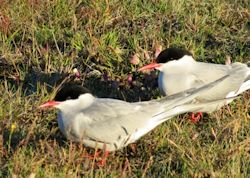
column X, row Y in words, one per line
column 101, row 160
column 195, row 117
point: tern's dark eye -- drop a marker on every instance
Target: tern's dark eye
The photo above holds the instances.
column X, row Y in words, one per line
column 70, row 92
column 68, row 98
column 170, row 54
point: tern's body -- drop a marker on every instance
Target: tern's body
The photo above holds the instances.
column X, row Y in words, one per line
column 177, row 75
column 113, row 124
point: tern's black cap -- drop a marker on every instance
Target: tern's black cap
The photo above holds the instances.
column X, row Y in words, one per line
column 70, row 92
column 172, row 53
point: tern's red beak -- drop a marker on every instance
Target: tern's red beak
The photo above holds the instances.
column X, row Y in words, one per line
column 150, row 67
column 49, row 104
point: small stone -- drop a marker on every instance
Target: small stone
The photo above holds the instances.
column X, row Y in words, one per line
column 130, row 78
column 135, row 59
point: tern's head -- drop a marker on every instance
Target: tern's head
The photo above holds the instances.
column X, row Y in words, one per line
column 69, row 95
column 166, row 56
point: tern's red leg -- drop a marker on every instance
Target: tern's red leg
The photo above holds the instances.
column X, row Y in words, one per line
column 102, row 162
column 196, row 117
column 97, row 156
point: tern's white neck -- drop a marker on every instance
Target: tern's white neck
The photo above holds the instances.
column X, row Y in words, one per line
column 84, row 101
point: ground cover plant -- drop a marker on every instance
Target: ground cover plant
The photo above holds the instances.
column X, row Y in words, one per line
column 42, row 43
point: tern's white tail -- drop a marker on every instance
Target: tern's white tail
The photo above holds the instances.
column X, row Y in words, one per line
column 246, row 85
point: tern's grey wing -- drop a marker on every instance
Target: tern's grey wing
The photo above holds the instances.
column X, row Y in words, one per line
column 105, row 109
column 195, row 107
column 237, row 72
column 114, row 122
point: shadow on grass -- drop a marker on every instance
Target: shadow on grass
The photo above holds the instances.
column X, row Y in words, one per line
column 142, row 87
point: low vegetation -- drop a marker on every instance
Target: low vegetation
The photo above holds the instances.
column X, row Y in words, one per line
column 41, row 42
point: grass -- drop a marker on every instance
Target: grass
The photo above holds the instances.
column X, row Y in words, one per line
column 42, row 41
